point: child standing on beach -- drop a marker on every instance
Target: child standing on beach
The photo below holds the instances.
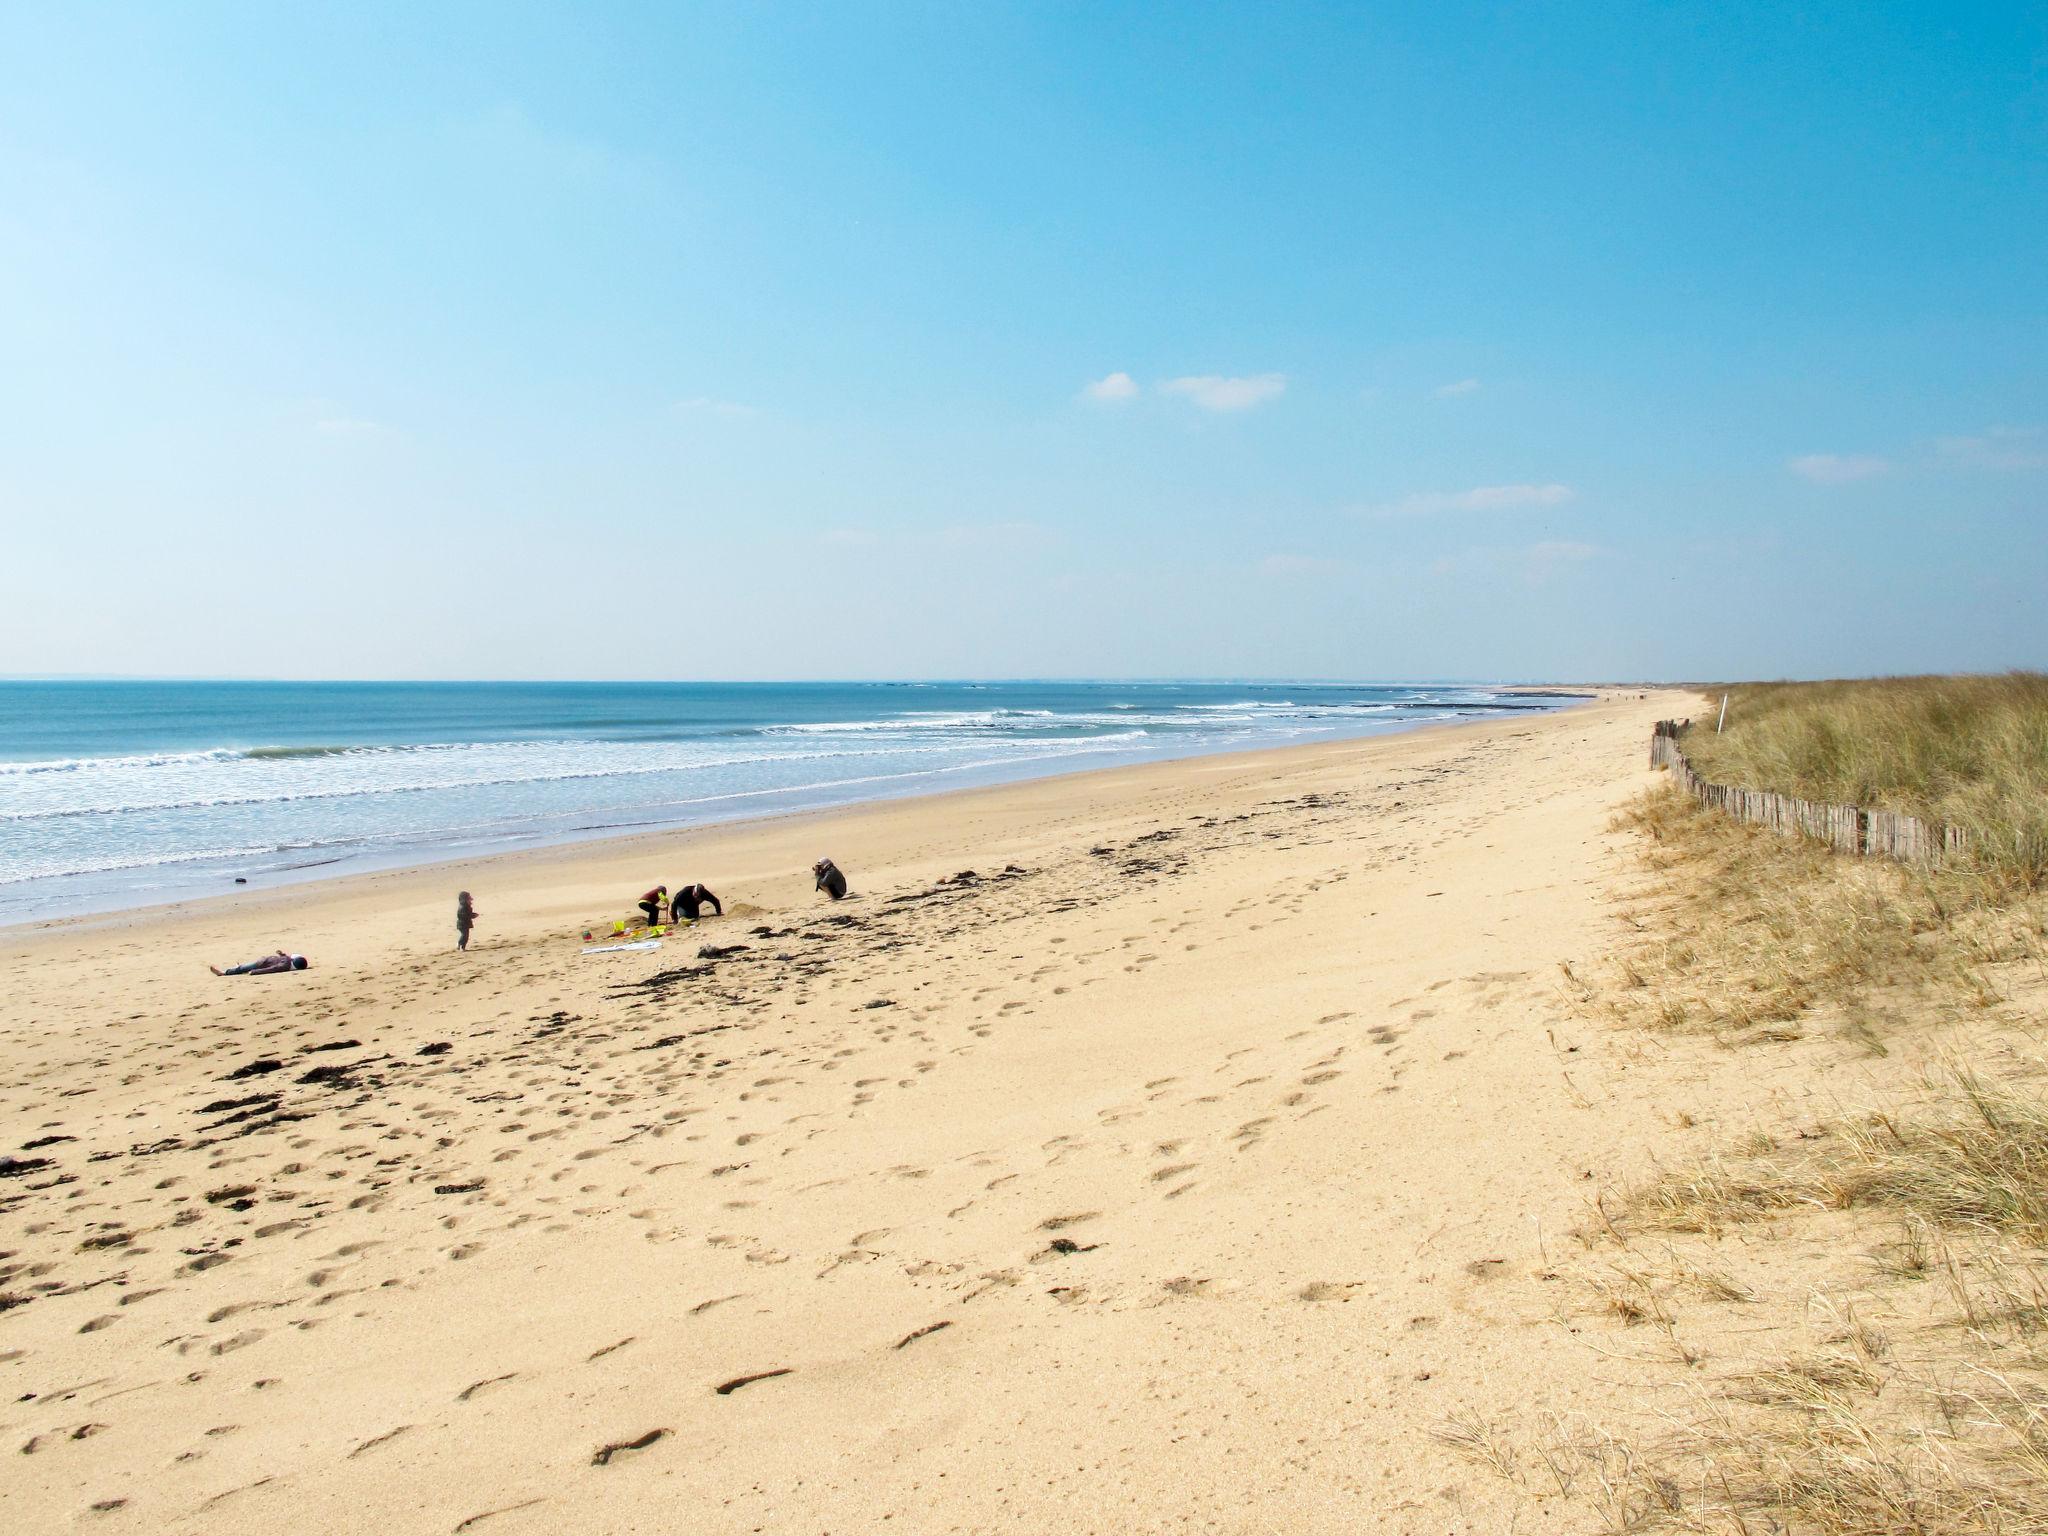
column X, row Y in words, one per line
column 465, row 919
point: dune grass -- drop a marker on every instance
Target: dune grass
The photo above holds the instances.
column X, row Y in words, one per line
column 1973, row 1157
column 1931, row 1209
column 1750, row 935
column 1968, row 751
column 1944, row 1429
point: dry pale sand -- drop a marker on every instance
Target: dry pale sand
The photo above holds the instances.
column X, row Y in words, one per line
column 1183, row 1169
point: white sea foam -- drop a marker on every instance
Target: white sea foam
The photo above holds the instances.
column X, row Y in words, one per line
column 118, row 786
column 139, row 823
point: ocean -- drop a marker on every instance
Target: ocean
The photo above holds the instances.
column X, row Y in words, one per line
column 121, row 793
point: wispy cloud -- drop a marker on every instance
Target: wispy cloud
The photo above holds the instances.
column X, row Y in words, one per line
column 1480, row 498
column 1997, row 448
column 1837, row 468
column 1213, row 392
column 1111, row 387
column 1452, row 391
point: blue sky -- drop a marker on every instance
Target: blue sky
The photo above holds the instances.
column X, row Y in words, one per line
column 743, row 341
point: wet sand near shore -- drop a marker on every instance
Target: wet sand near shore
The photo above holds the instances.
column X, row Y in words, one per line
column 1168, row 1148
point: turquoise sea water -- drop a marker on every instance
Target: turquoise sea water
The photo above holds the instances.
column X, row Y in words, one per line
column 117, row 793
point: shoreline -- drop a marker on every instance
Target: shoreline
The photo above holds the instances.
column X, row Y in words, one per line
column 294, row 886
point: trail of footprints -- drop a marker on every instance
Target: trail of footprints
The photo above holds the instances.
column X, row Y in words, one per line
column 703, row 1056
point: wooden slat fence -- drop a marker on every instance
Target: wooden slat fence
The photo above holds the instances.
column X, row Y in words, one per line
column 1845, row 828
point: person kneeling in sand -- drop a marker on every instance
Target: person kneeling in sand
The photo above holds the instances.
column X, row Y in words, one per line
column 269, row 965
column 692, row 899
column 829, row 879
column 652, row 904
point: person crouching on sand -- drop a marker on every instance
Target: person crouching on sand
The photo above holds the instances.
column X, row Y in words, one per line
column 652, row 902
column 692, row 899
column 269, row 965
column 465, row 919
column 829, row 879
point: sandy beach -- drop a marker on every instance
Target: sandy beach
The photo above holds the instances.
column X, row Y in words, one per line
column 1168, row 503
column 1182, row 1167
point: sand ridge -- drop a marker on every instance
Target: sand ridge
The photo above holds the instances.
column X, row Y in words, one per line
column 1141, row 1150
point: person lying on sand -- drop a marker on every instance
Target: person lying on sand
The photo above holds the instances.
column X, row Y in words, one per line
column 690, row 900
column 829, row 879
column 652, row 903
column 269, row 965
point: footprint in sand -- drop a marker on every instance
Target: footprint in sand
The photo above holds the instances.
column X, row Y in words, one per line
column 241, row 1340
column 607, row 1454
column 726, row 1389
column 376, row 1440
column 1328, row 1290
column 1056, row 1223
column 925, row 1332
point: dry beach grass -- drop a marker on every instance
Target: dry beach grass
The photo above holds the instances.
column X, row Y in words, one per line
column 1968, row 751
column 1889, row 1368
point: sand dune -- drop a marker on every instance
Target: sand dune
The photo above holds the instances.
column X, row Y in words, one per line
column 1180, row 1167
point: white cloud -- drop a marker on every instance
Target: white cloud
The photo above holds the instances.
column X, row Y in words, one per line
column 1481, row 498
column 1112, row 387
column 1837, row 468
column 1997, row 448
column 1452, row 391
column 1213, row 392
